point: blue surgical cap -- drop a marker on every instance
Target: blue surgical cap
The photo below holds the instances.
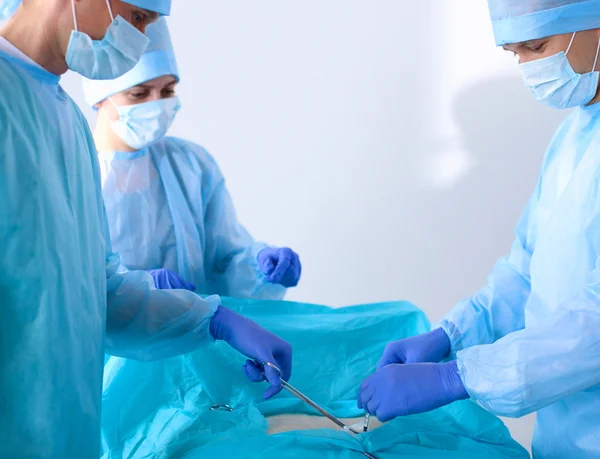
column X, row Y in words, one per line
column 162, row 7
column 515, row 21
column 157, row 61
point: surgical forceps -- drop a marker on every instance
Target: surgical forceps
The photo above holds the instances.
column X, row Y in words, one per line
column 291, row 389
column 366, row 422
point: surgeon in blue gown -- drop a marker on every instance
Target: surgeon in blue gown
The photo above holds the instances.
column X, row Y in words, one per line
column 168, row 208
column 529, row 341
column 63, row 303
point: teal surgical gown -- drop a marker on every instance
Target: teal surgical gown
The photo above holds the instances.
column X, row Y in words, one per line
column 62, row 302
column 168, row 207
column 530, row 340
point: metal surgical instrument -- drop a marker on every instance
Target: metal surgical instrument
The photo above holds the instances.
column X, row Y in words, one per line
column 291, row 389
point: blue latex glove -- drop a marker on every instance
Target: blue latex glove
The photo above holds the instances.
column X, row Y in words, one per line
column 280, row 266
column 400, row 390
column 168, row 280
column 428, row 347
column 258, row 344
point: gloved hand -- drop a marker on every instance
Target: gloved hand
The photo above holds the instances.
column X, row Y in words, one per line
column 428, row 347
column 168, row 280
column 400, row 390
column 255, row 342
column 280, row 266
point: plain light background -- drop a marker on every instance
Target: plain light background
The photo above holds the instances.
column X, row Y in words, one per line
column 388, row 142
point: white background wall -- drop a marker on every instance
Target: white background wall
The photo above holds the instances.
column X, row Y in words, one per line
column 387, row 141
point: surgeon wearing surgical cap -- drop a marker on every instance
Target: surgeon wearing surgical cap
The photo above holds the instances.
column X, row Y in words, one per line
column 64, row 300
column 168, row 208
column 529, row 341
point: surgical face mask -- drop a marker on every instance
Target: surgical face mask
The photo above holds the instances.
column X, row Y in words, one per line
column 143, row 124
column 8, row 8
column 553, row 81
column 116, row 54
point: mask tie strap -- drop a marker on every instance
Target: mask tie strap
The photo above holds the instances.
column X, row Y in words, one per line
column 112, row 18
column 116, row 107
column 596, row 59
column 571, row 43
column 74, row 15
column 105, row 113
column 114, row 103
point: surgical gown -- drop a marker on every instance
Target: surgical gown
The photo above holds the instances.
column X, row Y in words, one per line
column 62, row 301
column 168, row 207
column 530, row 340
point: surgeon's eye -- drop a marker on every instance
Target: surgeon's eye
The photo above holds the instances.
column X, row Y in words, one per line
column 169, row 92
column 538, row 48
column 139, row 19
column 138, row 94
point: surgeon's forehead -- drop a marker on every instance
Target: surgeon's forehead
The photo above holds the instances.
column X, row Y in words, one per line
column 165, row 80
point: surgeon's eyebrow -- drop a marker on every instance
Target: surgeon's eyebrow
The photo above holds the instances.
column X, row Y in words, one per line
column 525, row 44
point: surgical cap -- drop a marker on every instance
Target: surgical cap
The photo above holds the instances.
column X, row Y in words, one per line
column 515, row 21
column 158, row 60
column 162, row 7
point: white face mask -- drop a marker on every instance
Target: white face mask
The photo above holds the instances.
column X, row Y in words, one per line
column 143, row 124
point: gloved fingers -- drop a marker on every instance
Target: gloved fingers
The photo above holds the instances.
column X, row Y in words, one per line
column 168, row 280
column 368, row 393
column 273, row 376
column 183, row 284
column 393, row 354
column 372, row 406
column 296, row 266
column 187, row 285
column 386, row 413
column 292, row 275
column 268, row 265
column 271, row 392
column 283, row 264
column 161, row 280
column 384, row 362
column 275, row 381
column 366, row 382
column 364, row 396
column 253, row 371
column 267, row 260
column 283, row 359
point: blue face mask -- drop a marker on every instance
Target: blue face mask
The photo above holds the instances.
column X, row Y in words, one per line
column 8, row 8
column 553, row 81
column 143, row 124
column 116, row 54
